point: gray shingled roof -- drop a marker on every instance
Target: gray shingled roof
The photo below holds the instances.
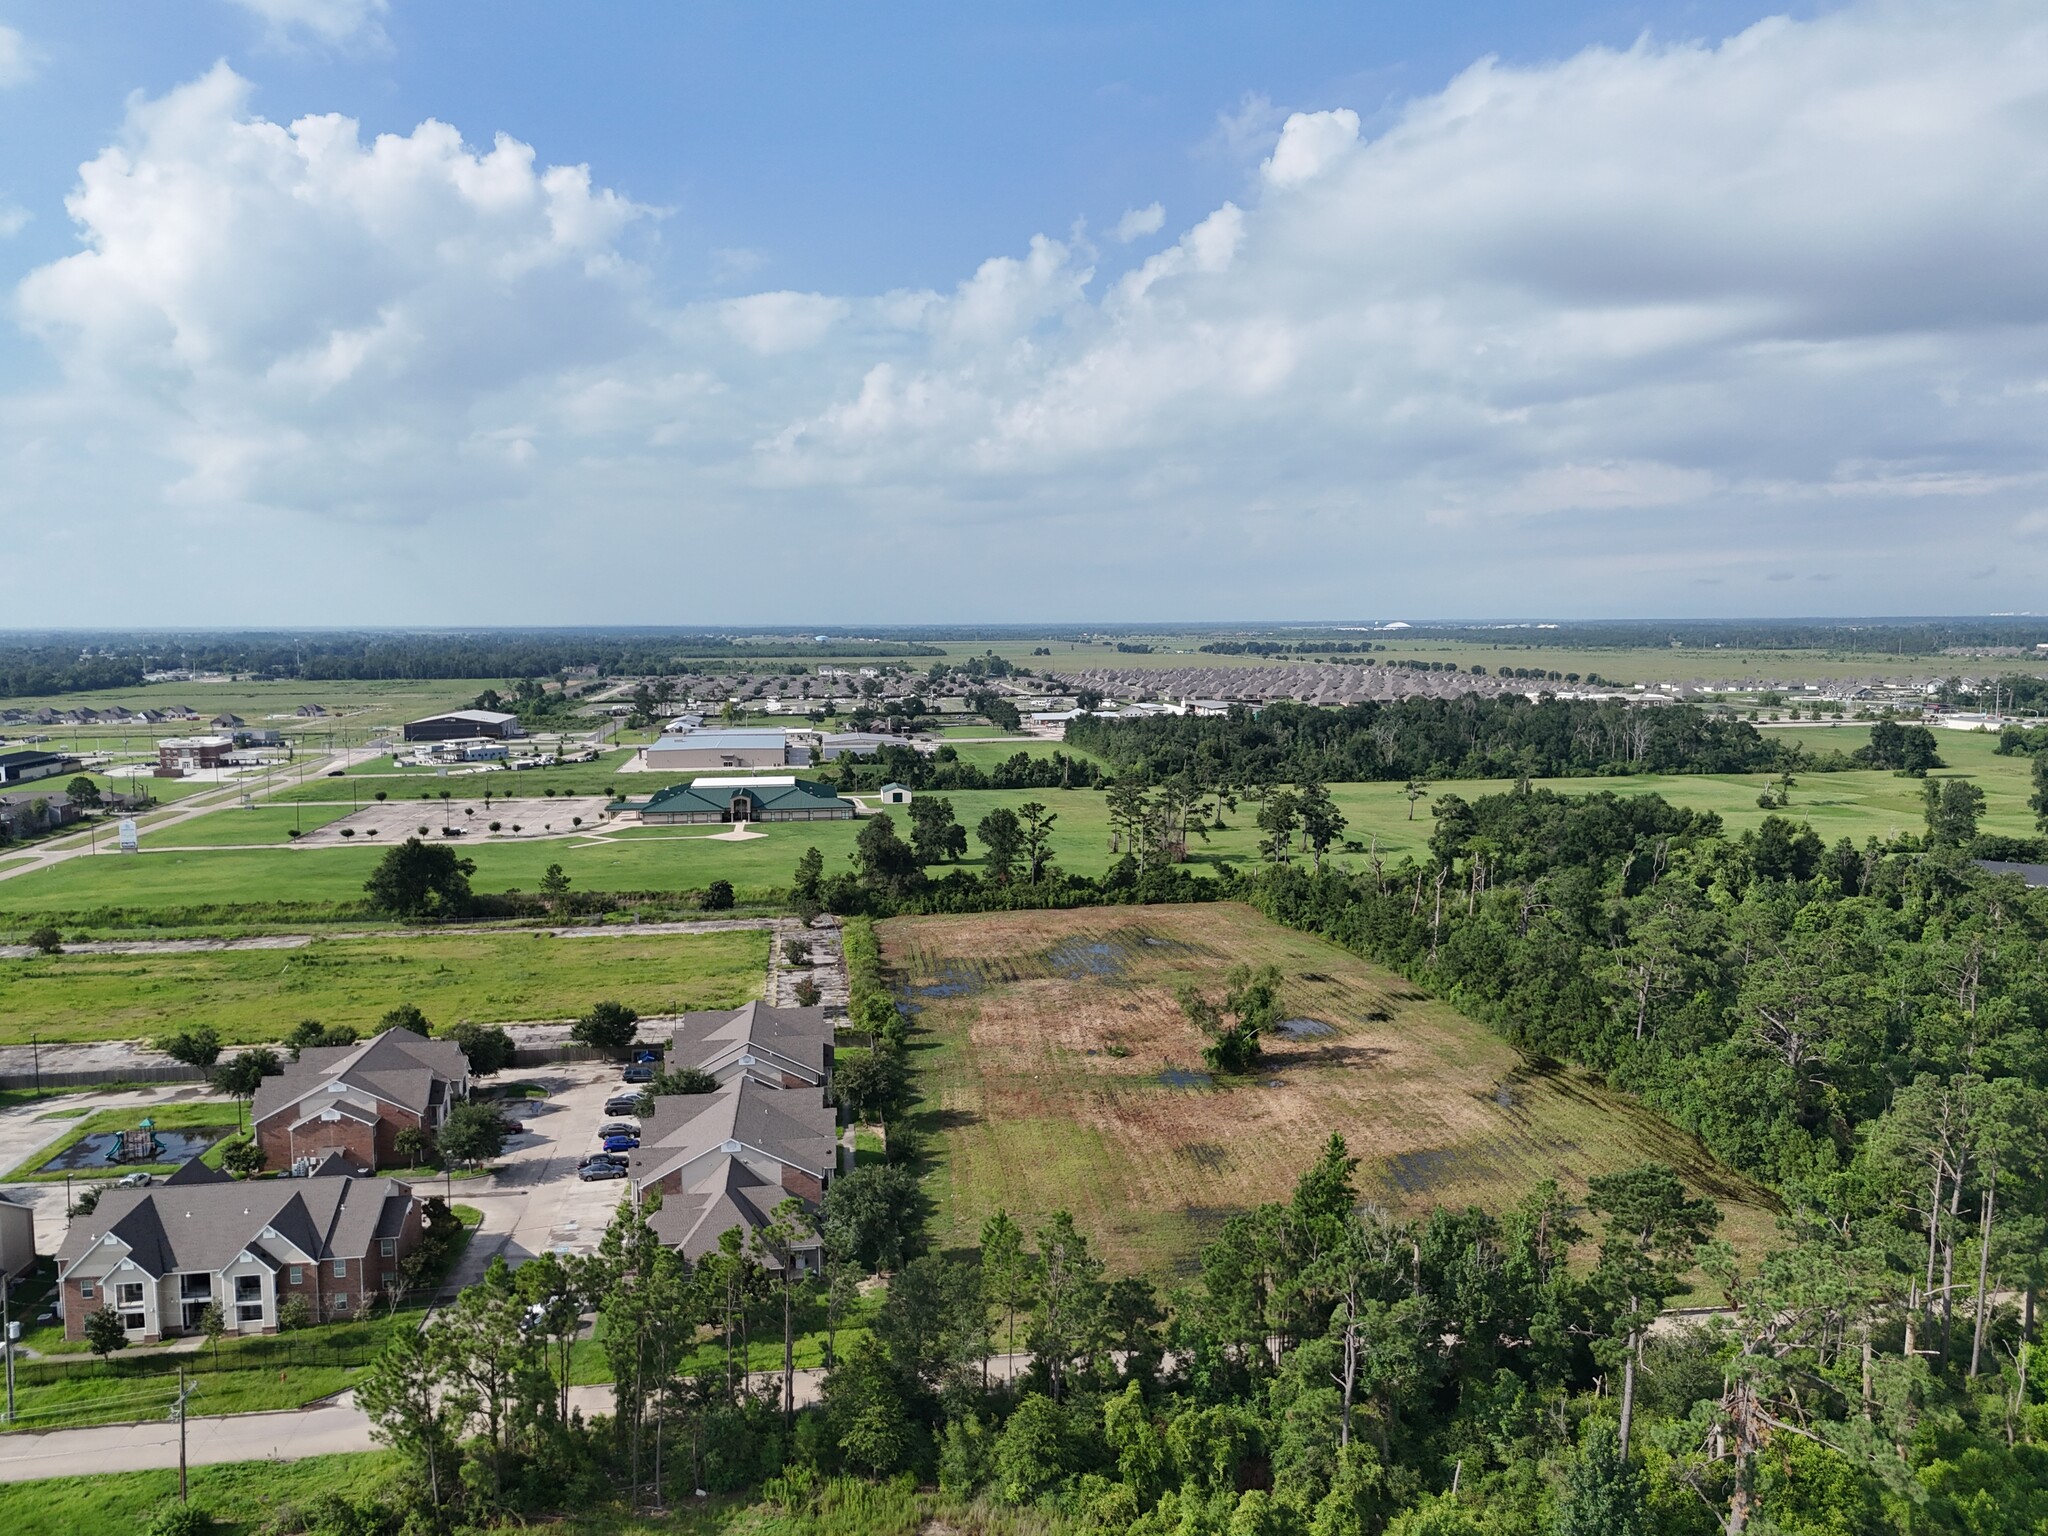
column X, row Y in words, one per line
column 730, row 1195
column 706, row 1041
column 397, row 1066
column 792, row 1126
column 205, row 1226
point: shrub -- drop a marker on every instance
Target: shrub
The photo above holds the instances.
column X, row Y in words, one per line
column 244, row 1159
column 46, row 940
column 496, row 824
column 381, row 795
column 180, row 1520
column 807, row 993
column 348, row 831
column 293, row 832
column 718, row 896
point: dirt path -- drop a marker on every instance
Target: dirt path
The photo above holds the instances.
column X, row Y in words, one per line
column 300, row 940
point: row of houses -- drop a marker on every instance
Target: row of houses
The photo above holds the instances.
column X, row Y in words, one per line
column 727, row 1159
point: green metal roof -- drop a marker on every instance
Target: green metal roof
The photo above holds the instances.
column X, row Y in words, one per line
column 768, row 795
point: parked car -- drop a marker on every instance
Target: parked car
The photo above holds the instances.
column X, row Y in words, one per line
column 134, row 1180
column 616, row 1159
column 639, row 1074
column 622, row 1104
column 619, row 1128
column 621, row 1143
column 599, row 1170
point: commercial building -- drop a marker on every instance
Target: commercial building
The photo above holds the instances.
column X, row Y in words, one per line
column 684, row 750
column 21, row 767
column 459, row 723
column 190, row 754
column 355, row 1099
column 837, row 744
column 160, row 1257
column 739, row 800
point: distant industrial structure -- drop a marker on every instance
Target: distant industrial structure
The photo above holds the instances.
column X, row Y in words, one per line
column 681, row 751
column 461, row 724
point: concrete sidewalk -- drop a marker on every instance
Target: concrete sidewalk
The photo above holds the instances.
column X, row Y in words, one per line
column 291, row 1435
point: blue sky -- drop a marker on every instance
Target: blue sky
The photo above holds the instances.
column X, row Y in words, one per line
column 1007, row 312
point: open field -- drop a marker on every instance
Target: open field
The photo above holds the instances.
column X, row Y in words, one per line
column 1858, row 805
column 248, row 825
column 1622, row 664
column 357, row 704
column 1042, row 1038
column 362, row 783
column 246, row 1495
column 259, row 994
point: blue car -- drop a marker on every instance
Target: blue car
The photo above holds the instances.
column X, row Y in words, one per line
column 621, row 1143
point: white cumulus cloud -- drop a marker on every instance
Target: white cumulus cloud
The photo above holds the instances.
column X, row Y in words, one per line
column 1624, row 331
column 1140, row 222
column 322, row 21
column 17, row 59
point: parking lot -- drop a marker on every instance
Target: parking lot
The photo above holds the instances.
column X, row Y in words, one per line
column 532, row 1202
column 535, row 1201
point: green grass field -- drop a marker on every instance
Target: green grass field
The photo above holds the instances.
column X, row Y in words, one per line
column 260, row 824
column 1623, row 664
column 245, row 1495
column 259, row 994
column 1045, row 1045
column 410, row 783
column 167, row 1117
column 1857, row 805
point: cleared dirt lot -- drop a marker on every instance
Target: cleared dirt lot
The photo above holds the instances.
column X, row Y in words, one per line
column 1059, row 1072
column 396, row 819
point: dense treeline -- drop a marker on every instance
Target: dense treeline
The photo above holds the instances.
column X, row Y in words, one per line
column 1771, row 993
column 1467, row 738
column 29, row 671
column 1326, row 1371
column 36, row 665
column 943, row 769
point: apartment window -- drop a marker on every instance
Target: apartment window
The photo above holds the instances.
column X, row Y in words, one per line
column 341, row 1301
column 85, row 1290
column 128, row 1295
column 388, row 1246
column 195, row 1287
column 248, row 1288
column 341, row 1269
column 248, row 1311
column 298, row 1274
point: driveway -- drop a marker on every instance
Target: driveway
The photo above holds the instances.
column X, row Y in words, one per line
column 535, row 1201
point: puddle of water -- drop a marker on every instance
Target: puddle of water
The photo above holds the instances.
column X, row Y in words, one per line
column 1305, row 1029
column 1076, row 961
column 1180, row 1077
column 98, row 1151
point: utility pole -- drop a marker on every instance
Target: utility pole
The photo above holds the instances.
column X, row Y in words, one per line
column 178, row 1413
